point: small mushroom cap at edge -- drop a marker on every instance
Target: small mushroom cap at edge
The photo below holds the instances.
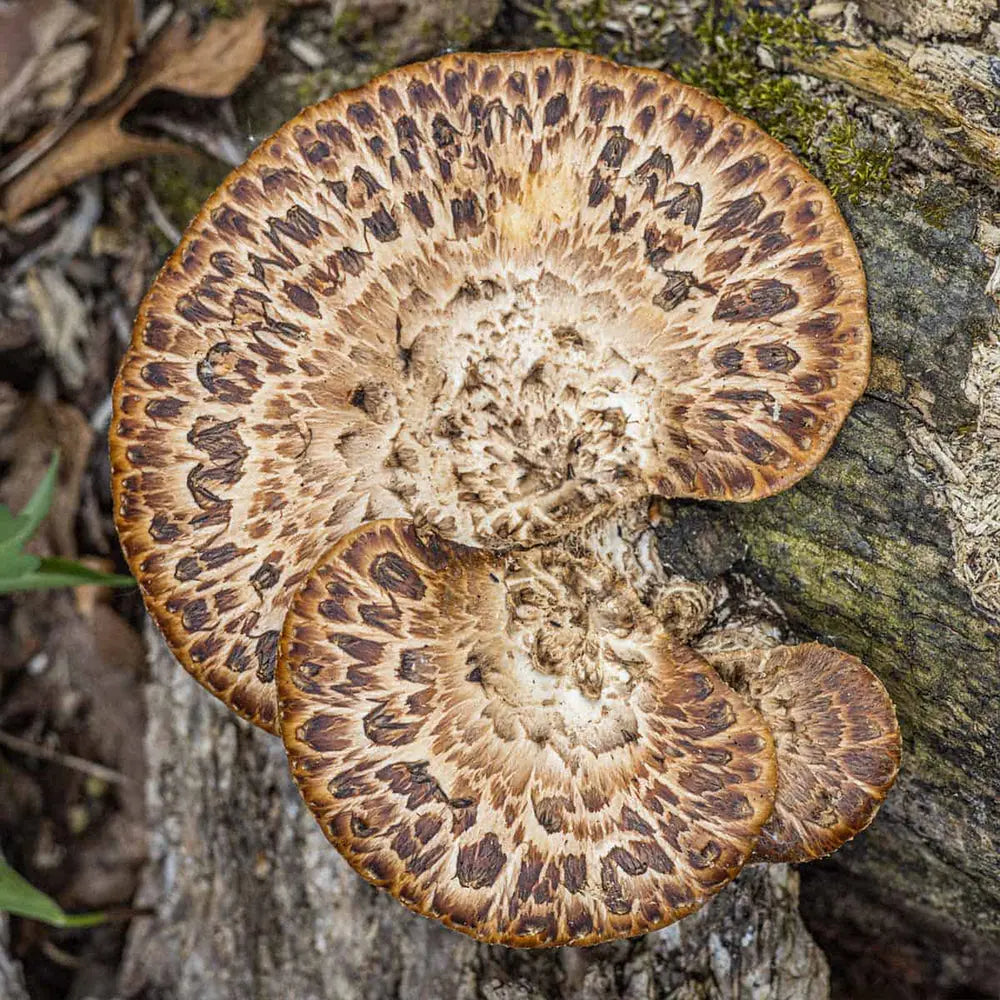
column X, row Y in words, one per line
column 836, row 738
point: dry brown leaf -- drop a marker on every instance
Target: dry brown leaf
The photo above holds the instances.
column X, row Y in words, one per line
column 16, row 46
column 88, row 148
column 112, row 43
column 212, row 65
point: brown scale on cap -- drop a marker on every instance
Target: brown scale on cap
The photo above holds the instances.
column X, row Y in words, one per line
column 836, row 739
column 500, row 294
column 509, row 742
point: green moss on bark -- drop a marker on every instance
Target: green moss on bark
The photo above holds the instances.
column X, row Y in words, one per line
column 727, row 62
column 572, row 26
column 821, row 131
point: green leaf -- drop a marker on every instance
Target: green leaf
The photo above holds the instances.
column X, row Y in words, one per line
column 52, row 572
column 14, row 565
column 20, row 897
column 24, row 571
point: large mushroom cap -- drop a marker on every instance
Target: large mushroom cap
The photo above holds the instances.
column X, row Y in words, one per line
column 836, row 738
column 509, row 743
column 498, row 294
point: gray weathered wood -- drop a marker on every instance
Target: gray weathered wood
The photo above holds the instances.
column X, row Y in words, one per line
column 11, row 980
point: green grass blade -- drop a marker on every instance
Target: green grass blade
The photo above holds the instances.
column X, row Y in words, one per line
column 54, row 572
column 53, row 565
column 16, row 529
column 20, row 897
column 38, row 506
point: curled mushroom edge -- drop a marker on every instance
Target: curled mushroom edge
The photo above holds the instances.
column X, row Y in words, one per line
column 385, row 411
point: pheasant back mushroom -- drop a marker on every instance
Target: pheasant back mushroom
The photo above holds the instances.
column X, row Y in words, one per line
column 498, row 294
column 432, row 327
column 836, row 737
column 510, row 743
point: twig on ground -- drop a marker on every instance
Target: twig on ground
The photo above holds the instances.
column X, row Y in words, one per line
column 217, row 143
column 108, row 774
column 72, row 234
column 159, row 218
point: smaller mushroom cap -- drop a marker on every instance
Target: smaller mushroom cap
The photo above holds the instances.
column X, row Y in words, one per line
column 836, row 738
column 509, row 743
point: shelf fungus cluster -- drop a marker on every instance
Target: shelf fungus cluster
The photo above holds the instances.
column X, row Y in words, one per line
column 403, row 361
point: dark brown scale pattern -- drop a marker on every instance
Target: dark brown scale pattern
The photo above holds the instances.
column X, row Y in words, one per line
column 643, row 293
column 417, row 779
column 647, row 200
column 836, row 738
